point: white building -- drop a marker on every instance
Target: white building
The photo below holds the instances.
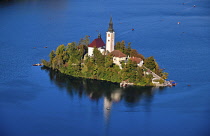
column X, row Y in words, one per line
column 118, row 57
column 139, row 61
column 98, row 43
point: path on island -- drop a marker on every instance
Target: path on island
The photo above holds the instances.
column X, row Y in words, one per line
column 156, row 77
column 153, row 74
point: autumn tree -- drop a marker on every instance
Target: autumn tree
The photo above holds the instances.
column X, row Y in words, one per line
column 84, row 41
column 150, row 63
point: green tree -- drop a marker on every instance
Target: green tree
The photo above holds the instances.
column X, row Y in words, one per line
column 71, row 47
column 128, row 50
column 108, row 61
column 52, row 55
column 99, row 59
column 139, row 74
column 164, row 75
column 84, row 41
column 60, row 49
column 121, row 46
column 133, row 53
column 150, row 63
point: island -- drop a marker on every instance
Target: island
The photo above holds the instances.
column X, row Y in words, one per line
column 117, row 63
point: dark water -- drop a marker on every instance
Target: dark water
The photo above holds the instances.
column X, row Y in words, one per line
column 39, row 102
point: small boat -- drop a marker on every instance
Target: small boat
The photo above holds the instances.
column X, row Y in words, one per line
column 132, row 29
column 173, row 83
column 170, row 85
column 38, row 64
column 178, row 23
column 45, row 47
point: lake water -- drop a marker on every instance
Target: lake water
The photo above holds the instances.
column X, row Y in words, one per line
column 39, row 102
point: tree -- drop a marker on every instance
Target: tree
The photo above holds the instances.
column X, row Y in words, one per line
column 45, row 63
column 60, row 49
column 129, row 71
column 164, row 75
column 57, row 62
column 99, row 59
column 71, row 47
column 133, row 53
column 150, row 63
column 52, row 55
column 108, row 61
column 139, row 74
column 128, row 50
column 121, row 46
column 84, row 41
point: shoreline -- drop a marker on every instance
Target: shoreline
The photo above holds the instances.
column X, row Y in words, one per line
column 119, row 83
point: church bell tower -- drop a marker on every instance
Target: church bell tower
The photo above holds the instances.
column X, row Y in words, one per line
column 110, row 36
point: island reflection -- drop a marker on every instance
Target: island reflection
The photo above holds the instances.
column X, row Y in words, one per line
column 96, row 90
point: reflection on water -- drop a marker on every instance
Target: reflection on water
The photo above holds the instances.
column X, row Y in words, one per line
column 110, row 92
column 95, row 90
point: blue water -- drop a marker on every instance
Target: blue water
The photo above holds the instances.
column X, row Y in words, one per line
column 39, row 102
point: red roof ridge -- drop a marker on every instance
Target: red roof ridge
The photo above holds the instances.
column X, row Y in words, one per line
column 136, row 59
column 118, row 53
column 98, row 42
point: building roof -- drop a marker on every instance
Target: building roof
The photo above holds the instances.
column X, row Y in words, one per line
column 135, row 59
column 117, row 53
column 98, row 42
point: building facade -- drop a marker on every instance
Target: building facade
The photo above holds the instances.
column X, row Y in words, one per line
column 97, row 43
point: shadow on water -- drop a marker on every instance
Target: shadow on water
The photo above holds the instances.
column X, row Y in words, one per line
column 96, row 90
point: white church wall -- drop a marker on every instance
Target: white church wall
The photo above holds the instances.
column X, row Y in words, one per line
column 90, row 51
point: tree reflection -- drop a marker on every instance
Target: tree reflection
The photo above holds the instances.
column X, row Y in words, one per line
column 95, row 90
column 109, row 92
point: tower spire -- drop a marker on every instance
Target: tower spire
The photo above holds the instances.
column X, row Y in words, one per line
column 110, row 29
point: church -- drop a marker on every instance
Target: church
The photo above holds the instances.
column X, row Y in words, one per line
column 108, row 47
column 99, row 43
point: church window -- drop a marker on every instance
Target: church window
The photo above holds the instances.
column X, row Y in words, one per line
column 108, row 35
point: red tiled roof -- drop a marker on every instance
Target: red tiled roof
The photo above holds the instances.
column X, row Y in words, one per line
column 97, row 43
column 117, row 53
column 137, row 60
